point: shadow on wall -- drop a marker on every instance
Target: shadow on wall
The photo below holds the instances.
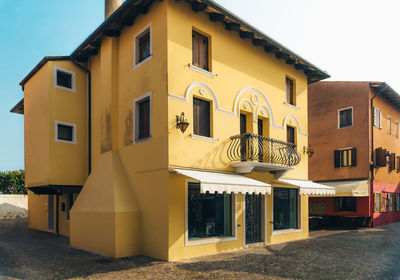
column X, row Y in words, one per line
column 10, row 211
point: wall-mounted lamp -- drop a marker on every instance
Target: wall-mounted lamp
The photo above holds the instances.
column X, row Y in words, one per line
column 181, row 122
column 308, row 151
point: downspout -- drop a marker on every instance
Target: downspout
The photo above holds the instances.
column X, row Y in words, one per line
column 371, row 189
column 89, row 112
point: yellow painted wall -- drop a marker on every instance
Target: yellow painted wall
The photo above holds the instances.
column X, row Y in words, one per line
column 37, row 211
column 36, row 129
column 238, row 64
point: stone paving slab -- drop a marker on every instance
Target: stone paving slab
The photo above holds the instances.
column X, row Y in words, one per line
column 341, row 254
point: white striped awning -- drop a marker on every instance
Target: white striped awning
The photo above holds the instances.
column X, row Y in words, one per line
column 219, row 182
column 310, row 187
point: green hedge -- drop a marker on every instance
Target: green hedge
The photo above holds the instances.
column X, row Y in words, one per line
column 12, row 182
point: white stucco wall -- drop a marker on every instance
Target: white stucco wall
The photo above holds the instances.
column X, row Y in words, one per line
column 13, row 206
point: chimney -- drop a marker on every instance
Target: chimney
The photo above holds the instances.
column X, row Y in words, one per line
column 111, row 6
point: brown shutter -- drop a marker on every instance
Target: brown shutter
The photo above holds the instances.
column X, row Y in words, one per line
column 392, row 161
column 195, row 49
column 353, row 157
column 398, row 163
column 201, row 117
column 375, row 202
column 337, row 158
column 382, row 203
column 203, row 52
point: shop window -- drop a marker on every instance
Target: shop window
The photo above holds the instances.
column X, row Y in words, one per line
column 65, row 132
column 345, row 117
column 345, row 204
column 201, row 117
column 377, row 200
column 143, row 117
column 64, row 79
column 209, row 215
column 290, row 92
column 286, row 208
column 200, row 51
column 397, row 201
column 345, row 157
column 143, row 46
column 390, row 202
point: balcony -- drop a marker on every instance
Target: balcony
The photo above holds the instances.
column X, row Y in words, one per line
column 249, row 152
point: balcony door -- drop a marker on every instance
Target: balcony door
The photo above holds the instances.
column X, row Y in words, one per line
column 243, row 138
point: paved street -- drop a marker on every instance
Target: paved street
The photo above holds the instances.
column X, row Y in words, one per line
column 356, row 254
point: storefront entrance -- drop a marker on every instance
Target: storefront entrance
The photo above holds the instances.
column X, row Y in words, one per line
column 253, row 218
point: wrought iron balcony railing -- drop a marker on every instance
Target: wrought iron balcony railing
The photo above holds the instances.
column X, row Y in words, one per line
column 252, row 147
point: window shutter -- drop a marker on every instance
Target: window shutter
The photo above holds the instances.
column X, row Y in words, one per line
column 398, row 163
column 392, row 161
column 195, row 49
column 380, row 118
column 337, row 158
column 375, row 115
column 383, row 158
column 376, row 204
column 378, row 152
column 203, row 53
column 201, row 117
column 353, row 157
column 382, row 203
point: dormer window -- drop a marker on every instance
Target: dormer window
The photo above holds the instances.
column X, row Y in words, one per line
column 64, row 79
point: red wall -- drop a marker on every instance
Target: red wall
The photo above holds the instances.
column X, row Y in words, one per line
column 362, row 207
column 386, row 217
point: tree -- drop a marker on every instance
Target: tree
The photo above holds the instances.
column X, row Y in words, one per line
column 12, row 182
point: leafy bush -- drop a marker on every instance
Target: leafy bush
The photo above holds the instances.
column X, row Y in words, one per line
column 12, row 182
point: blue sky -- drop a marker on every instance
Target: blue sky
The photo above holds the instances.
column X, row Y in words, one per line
column 352, row 40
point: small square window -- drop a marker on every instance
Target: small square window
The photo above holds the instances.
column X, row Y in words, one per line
column 345, row 117
column 143, row 46
column 64, row 79
column 143, row 118
column 345, row 157
column 65, row 132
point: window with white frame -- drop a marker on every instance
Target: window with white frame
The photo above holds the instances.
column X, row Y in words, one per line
column 286, row 208
column 143, row 46
column 64, row 79
column 65, row 132
column 389, row 125
column 209, row 214
column 345, row 117
column 142, row 109
column 377, row 118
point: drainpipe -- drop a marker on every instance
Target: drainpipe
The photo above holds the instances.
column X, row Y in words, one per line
column 57, row 213
column 89, row 112
column 371, row 189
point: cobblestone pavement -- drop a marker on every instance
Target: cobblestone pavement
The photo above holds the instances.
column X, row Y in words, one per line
column 355, row 254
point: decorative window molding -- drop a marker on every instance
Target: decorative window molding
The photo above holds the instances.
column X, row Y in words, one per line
column 202, row 71
column 345, row 123
column 136, row 119
column 136, row 50
column 203, row 138
column 209, row 240
column 56, row 137
column 64, row 71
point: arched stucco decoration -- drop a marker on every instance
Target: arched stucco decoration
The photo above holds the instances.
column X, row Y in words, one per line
column 267, row 105
column 252, row 107
column 202, row 85
column 297, row 124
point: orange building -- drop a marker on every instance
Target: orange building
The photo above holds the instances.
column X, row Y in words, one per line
column 354, row 132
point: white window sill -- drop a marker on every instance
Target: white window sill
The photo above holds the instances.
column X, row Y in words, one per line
column 285, row 231
column 143, row 61
column 65, row 88
column 202, row 71
column 209, row 240
column 204, row 138
column 66, row 141
column 292, row 106
column 142, row 140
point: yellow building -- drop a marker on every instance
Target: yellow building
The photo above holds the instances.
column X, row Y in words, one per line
column 174, row 130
